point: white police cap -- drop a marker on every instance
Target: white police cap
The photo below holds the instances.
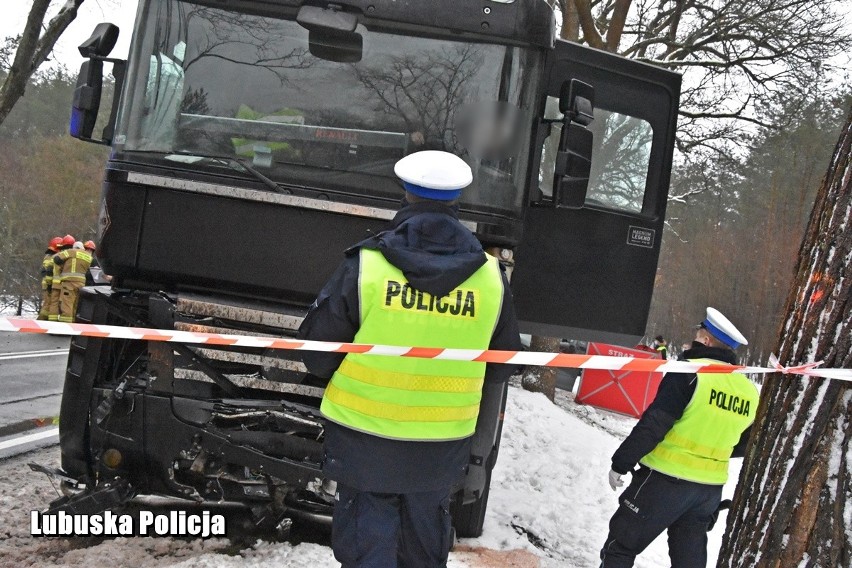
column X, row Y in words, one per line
column 722, row 329
column 433, row 174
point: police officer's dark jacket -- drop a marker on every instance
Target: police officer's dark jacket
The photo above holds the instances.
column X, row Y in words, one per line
column 436, row 253
column 673, row 396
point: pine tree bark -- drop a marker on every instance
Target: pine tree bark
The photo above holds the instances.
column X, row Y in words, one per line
column 541, row 379
column 794, row 500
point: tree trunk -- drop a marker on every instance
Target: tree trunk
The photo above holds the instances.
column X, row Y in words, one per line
column 794, row 501
column 542, row 379
column 33, row 50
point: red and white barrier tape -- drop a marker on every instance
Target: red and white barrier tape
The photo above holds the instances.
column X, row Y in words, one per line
column 575, row 361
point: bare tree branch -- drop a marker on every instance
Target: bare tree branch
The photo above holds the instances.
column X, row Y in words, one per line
column 587, row 23
column 33, row 50
column 616, row 27
column 735, row 55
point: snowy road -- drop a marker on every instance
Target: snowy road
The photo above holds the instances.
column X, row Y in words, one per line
column 32, row 370
column 549, row 507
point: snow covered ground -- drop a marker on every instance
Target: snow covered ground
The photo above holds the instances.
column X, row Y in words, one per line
column 550, row 504
column 9, row 307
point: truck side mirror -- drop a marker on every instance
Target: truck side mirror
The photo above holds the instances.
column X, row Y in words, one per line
column 101, row 42
column 87, row 99
column 577, row 101
column 572, row 168
column 86, row 102
column 331, row 34
column 574, row 156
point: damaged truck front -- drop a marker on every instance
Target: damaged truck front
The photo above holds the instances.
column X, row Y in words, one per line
column 254, row 140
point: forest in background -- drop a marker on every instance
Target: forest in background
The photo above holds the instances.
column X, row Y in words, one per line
column 732, row 245
column 50, row 183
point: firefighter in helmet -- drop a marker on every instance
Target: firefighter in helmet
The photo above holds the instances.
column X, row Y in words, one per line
column 73, row 263
column 94, row 266
column 47, row 276
column 682, row 446
column 399, row 429
column 56, row 285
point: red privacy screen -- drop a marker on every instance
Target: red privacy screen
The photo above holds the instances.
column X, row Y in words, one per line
column 625, row 392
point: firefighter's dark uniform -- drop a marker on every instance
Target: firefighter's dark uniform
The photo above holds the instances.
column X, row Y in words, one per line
column 398, row 430
column 46, row 283
column 682, row 443
column 74, row 264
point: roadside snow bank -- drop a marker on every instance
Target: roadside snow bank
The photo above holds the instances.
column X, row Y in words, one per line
column 549, row 490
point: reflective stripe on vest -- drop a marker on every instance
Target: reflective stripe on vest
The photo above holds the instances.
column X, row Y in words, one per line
column 699, row 445
column 411, row 398
column 76, row 264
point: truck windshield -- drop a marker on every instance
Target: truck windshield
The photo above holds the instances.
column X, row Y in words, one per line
column 211, row 82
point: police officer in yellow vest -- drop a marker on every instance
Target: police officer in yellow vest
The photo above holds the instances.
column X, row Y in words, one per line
column 398, row 429
column 682, row 443
column 74, row 263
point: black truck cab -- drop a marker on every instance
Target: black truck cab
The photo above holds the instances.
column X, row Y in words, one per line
column 253, row 141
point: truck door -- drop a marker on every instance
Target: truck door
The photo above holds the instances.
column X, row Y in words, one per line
column 589, row 273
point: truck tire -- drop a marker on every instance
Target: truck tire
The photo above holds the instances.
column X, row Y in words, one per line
column 469, row 518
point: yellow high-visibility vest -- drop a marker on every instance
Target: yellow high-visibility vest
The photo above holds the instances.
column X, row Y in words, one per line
column 412, row 398
column 699, row 445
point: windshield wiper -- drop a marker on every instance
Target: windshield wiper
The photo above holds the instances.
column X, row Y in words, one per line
column 234, row 163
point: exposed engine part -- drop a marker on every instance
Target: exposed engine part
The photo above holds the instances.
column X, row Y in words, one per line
column 96, row 500
column 54, row 474
column 308, row 505
column 105, row 407
column 279, row 444
column 279, row 421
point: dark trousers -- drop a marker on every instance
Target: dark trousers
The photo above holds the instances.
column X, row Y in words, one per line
column 389, row 530
column 652, row 503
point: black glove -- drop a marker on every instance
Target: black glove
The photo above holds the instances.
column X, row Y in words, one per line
column 725, row 504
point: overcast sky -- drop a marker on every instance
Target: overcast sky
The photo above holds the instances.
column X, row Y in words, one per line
column 92, row 12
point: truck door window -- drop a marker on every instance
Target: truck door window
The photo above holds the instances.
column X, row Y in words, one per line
column 620, row 159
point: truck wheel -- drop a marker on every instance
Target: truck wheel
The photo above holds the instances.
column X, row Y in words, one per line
column 469, row 518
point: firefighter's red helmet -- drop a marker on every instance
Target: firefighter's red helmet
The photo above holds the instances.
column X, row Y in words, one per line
column 89, row 245
column 68, row 241
column 54, row 243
